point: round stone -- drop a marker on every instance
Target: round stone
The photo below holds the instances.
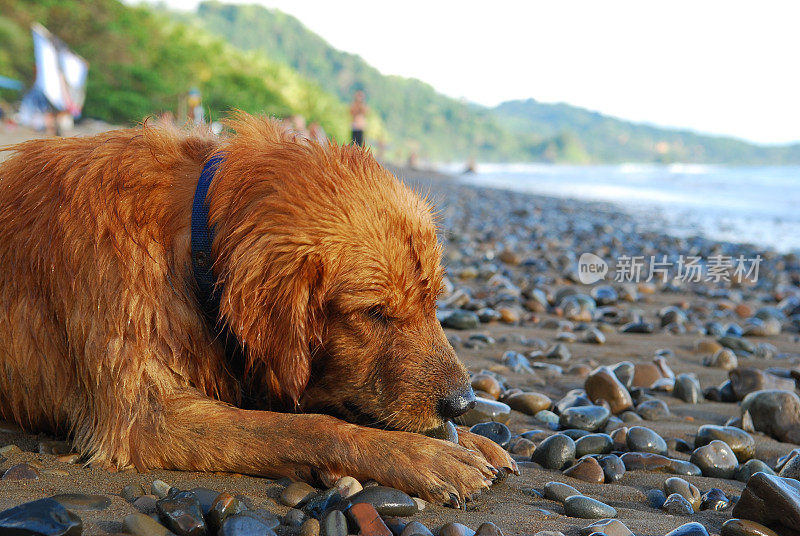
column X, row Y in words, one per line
column 724, row 359
column 642, row 439
column 79, row 501
column 751, row 467
column 529, row 403
column 741, row 443
column 485, row 410
column 593, row 444
column 558, row 352
column 677, row 505
column 625, row 372
column 604, row 295
column 772, row 501
column 594, row 336
column 646, row 461
column 445, row 432
column 497, row 432
column 334, row 524
column 558, row 491
column 603, row 384
column 573, row 398
column 547, row 417
column 588, row 418
column 461, row 319
column 653, row 410
column 456, row 529
column 688, row 389
column 613, row 468
column 132, row 492
column 714, row 499
column 587, row 508
column 488, row 384
column 295, row 518
column 521, row 447
column 21, row 471
column 415, row 528
column 387, row 501
column 181, row 513
column 656, row 498
column 348, row 486
column 745, row 380
column 715, row 459
column 588, row 470
column 776, row 413
column 637, row 327
column 146, row 504
column 575, row 433
column 296, row 494
column 144, row 525
column 744, row 527
column 488, row 529
column 689, row 529
column 310, row 527
column 645, row 375
column 679, row 445
column 555, row 452
column 620, row 438
column 159, row 488
column 44, row 517
column 608, row 527
column 685, row 489
column 223, row 506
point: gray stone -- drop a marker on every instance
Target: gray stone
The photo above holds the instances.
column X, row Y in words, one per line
column 677, row 505
column 642, row 439
column 555, row 452
column 558, row 491
column 387, row 501
column 44, row 517
column 587, row 508
column 715, row 459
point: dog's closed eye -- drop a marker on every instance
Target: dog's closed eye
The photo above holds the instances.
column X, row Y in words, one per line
column 377, row 313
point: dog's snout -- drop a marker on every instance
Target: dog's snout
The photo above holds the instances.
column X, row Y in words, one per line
column 457, row 403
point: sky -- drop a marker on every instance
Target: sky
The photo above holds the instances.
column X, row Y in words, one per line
column 719, row 67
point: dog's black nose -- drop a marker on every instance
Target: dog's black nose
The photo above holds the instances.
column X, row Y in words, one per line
column 457, row 403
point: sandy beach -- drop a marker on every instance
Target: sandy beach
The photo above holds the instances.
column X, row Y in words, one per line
column 499, row 247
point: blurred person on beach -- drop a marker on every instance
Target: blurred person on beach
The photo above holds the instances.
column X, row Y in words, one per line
column 358, row 111
column 196, row 112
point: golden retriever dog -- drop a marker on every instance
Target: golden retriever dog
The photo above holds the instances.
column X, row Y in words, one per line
column 327, row 269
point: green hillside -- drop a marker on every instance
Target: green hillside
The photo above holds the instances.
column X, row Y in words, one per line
column 142, row 63
column 440, row 127
column 608, row 139
column 417, row 118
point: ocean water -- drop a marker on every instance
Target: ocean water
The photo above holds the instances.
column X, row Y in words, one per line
column 758, row 205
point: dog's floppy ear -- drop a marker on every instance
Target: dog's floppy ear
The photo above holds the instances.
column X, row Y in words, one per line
column 277, row 318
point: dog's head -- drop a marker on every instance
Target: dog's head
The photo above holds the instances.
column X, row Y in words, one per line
column 330, row 270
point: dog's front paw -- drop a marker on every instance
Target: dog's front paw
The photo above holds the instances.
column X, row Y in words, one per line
column 434, row 470
column 494, row 453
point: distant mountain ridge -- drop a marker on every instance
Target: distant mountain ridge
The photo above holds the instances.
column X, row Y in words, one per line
column 608, row 139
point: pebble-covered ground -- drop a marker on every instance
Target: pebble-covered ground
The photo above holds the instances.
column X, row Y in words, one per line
column 650, row 404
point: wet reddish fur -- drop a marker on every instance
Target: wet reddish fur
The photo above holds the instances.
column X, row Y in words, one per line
column 329, row 268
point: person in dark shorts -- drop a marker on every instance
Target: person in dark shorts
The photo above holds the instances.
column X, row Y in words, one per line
column 358, row 111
